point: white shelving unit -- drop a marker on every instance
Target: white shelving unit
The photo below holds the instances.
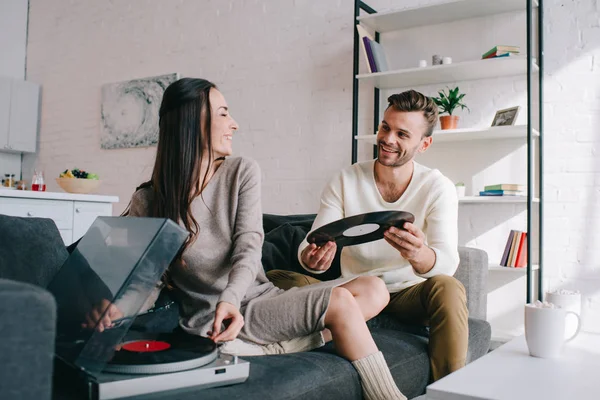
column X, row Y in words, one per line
column 463, row 71
column 500, row 268
column 510, row 142
column 467, row 134
column 439, row 13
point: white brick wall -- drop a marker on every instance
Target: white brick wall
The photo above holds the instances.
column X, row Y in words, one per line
column 285, row 68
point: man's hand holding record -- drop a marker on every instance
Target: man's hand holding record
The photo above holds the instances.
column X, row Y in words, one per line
column 319, row 258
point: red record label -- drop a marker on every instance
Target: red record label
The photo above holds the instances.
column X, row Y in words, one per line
column 146, row 346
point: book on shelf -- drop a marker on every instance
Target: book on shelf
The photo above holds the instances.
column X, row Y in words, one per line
column 500, row 49
column 381, row 62
column 362, row 34
column 370, row 58
column 505, row 186
column 496, row 55
column 502, row 193
column 515, row 250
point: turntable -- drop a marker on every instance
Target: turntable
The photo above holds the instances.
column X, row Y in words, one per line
column 114, row 269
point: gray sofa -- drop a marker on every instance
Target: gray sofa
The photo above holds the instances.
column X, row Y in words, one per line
column 31, row 251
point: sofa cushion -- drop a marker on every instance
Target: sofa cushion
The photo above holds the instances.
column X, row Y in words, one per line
column 27, row 334
column 31, row 250
column 320, row 374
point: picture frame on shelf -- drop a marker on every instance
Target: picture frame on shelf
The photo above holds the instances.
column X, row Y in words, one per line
column 506, row 117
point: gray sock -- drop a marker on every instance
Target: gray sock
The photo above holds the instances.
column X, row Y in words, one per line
column 376, row 379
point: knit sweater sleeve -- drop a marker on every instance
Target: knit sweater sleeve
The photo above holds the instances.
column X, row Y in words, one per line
column 441, row 230
column 247, row 235
column 330, row 210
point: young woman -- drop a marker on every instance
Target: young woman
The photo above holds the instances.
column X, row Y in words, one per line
column 218, row 278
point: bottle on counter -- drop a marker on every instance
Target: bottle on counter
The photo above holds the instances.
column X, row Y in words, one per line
column 37, row 183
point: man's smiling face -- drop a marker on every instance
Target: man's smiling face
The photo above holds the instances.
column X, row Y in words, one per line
column 400, row 136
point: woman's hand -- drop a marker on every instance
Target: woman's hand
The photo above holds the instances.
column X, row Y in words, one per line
column 92, row 319
column 229, row 314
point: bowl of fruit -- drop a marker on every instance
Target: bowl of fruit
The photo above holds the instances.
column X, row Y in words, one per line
column 78, row 181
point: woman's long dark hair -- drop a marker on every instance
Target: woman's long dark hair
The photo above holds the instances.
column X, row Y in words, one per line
column 184, row 134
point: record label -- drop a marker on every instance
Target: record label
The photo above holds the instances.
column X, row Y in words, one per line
column 144, row 346
column 360, row 230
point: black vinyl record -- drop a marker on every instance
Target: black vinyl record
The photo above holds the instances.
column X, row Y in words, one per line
column 360, row 228
column 151, row 353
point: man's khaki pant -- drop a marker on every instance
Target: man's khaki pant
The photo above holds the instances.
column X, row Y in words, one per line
column 439, row 302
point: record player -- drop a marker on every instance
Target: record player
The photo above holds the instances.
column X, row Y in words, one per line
column 113, row 272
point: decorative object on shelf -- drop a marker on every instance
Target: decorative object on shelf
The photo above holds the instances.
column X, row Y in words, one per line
column 460, row 189
column 447, row 103
column 508, row 116
column 129, row 111
column 500, row 51
column 436, row 59
column 422, row 63
column 447, row 60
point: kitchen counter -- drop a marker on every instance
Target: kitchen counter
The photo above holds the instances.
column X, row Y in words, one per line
column 28, row 194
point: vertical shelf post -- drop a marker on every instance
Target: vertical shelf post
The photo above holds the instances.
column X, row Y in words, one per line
column 541, row 147
column 354, row 155
column 376, row 102
column 359, row 5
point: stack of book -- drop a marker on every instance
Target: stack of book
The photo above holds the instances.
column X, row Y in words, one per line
column 515, row 251
column 504, row 189
column 501, row 51
column 373, row 52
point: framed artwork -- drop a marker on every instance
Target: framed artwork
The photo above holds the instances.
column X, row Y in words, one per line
column 129, row 111
column 508, row 116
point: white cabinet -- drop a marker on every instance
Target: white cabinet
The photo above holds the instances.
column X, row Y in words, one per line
column 72, row 214
column 19, row 115
column 4, row 111
column 13, row 40
column 24, row 116
column 85, row 213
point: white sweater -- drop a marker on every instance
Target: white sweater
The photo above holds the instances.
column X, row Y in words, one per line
column 430, row 196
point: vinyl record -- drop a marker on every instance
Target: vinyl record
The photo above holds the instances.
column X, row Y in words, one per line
column 148, row 353
column 360, row 228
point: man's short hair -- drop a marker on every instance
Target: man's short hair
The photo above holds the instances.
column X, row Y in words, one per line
column 411, row 100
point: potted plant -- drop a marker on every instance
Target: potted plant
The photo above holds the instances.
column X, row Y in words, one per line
column 447, row 103
column 460, row 189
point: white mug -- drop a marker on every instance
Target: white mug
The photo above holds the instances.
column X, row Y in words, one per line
column 568, row 301
column 545, row 330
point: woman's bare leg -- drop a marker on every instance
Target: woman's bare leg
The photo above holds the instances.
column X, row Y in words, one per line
column 353, row 341
column 370, row 293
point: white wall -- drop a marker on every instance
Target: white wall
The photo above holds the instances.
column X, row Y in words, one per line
column 285, row 68
column 282, row 66
column 13, row 37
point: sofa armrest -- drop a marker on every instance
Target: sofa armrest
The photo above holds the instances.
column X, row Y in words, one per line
column 472, row 272
column 27, row 331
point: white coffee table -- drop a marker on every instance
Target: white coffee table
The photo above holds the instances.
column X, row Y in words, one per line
column 509, row 373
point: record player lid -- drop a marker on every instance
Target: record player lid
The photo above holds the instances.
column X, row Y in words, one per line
column 114, row 268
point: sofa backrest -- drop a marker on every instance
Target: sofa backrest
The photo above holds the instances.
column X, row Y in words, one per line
column 31, row 249
column 284, row 233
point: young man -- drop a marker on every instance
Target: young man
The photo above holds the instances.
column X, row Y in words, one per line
column 416, row 263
